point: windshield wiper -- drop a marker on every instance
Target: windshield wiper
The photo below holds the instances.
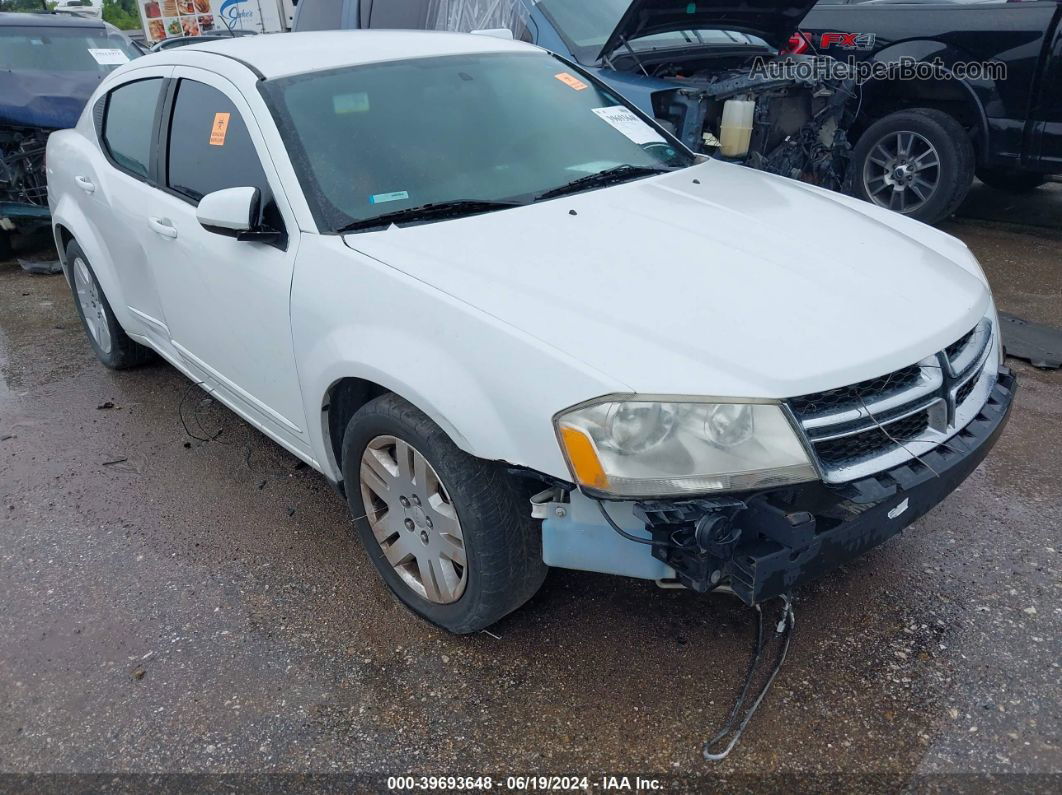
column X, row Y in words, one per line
column 435, row 211
column 600, row 179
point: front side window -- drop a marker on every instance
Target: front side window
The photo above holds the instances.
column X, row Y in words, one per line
column 210, row 149
column 488, row 128
column 129, row 124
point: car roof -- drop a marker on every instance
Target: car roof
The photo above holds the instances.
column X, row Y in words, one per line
column 282, row 54
column 14, row 20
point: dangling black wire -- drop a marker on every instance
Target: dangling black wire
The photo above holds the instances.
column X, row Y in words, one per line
column 784, row 625
column 630, row 536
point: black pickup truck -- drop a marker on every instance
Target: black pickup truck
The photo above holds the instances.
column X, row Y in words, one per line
column 918, row 140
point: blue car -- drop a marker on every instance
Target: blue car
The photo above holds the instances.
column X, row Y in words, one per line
column 49, row 66
column 717, row 74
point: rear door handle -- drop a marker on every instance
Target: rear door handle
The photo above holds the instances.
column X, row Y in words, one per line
column 85, row 184
column 162, row 227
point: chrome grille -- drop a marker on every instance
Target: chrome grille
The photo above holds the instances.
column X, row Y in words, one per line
column 833, row 399
column 953, row 350
column 964, row 391
column 837, row 452
column 863, row 428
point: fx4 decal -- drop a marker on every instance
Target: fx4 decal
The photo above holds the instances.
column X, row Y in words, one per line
column 847, row 41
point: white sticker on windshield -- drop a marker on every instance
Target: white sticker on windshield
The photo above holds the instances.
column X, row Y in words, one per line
column 383, row 198
column 108, row 57
column 630, row 125
column 350, row 103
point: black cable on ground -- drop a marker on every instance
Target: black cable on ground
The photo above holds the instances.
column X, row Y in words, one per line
column 785, row 625
column 184, row 423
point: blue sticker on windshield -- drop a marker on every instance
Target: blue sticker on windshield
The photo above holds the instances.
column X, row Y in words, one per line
column 380, row 198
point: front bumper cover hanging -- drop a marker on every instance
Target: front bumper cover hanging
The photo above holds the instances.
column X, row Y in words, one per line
column 763, row 545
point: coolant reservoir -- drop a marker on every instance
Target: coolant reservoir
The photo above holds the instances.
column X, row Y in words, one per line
column 735, row 130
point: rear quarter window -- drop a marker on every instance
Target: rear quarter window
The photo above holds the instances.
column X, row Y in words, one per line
column 129, row 125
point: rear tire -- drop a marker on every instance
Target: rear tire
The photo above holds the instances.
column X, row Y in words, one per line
column 892, row 164
column 1012, row 181
column 113, row 347
column 451, row 534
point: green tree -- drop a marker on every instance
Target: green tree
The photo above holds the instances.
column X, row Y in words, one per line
column 123, row 14
column 25, row 5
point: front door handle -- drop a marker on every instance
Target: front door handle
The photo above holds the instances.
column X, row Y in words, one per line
column 162, row 227
column 85, row 184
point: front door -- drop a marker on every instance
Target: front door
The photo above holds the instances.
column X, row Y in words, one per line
column 226, row 301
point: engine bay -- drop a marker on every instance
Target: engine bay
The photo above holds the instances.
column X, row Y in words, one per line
column 22, row 173
column 786, row 115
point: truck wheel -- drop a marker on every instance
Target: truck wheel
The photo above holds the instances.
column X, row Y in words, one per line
column 918, row 162
column 1013, row 181
column 451, row 534
column 112, row 345
column 6, row 249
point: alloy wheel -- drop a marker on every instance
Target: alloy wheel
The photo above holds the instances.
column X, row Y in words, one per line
column 902, row 171
column 413, row 519
column 88, row 297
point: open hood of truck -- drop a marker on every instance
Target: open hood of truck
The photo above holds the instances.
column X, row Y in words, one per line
column 774, row 21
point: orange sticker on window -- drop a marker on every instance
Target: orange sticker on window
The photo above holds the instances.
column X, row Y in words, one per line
column 221, row 126
column 571, row 81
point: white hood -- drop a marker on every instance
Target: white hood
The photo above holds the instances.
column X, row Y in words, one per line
column 744, row 285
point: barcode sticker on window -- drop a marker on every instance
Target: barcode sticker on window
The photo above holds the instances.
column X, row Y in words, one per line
column 109, row 56
column 571, row 81
column 221, row 126
column 630, row 125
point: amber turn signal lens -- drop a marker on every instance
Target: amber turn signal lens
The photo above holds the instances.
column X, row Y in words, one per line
column 582, row 457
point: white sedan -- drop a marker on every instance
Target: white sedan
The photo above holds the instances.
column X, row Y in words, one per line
column 515, row 322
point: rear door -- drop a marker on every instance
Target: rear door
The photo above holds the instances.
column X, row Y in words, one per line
column 117, row 183
column 226, row 301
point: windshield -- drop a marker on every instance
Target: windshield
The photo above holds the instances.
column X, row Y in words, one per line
column 504, row 127
column 57, row 49
column 585, row 27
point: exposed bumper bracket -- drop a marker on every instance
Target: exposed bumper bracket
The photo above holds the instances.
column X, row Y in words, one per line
column 787, row 537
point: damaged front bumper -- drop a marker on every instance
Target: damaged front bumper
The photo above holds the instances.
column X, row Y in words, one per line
column 764, row 544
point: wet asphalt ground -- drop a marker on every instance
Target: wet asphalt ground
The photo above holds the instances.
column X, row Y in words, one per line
column 173, row 605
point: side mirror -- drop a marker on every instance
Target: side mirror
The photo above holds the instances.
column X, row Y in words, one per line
column 231, row 212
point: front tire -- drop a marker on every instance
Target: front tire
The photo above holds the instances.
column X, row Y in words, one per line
column 451, row 534
column 918, row 162
column 113, row 347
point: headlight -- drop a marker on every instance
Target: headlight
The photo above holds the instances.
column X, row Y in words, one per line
column 654, row 448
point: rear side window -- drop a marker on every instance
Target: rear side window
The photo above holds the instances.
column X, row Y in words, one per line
column 129, row 122
column 210, row 149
